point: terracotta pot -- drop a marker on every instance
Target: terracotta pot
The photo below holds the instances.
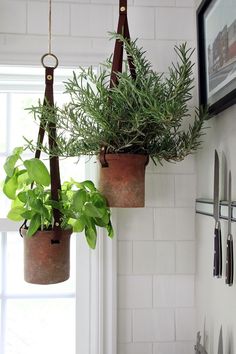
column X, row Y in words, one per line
column 46, row 262
column 123, row 181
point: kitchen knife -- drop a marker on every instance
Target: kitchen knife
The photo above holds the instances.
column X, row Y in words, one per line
column 220, row 343
column 229, row 251
column 217, row 268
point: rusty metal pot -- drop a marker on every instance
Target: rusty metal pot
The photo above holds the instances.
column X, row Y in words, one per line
column 46, row 261
column 123, row 181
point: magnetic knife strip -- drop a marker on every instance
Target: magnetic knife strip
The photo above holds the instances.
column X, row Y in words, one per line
column 205, row 207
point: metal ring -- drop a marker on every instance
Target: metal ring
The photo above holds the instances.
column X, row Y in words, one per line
column 51, row 55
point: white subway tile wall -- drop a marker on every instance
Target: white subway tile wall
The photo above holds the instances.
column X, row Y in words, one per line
column 135, row 348
column 13, row 17
column 153, row 325
column 156, row 248
column 38, row 18
column 134, row 292
column 151, row 257
column 160, row 190
column 156, row 263
column 185, row 324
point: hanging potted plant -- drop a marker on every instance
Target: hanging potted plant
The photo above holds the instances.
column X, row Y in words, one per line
column 46, row 247
column 126, row 123
column 51, row 211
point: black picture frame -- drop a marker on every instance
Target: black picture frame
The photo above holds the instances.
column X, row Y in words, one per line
column 211, row 71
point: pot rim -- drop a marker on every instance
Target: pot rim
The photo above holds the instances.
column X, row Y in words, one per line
column 125, row 156
column 47, row 232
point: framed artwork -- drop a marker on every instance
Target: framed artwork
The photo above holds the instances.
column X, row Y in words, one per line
column 216, row 20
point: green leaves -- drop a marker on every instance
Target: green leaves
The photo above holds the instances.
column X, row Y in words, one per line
column 11, row 160
column 148, row 115
column 10, row 165
column 10, row 187
column 82, row 206
column 15, row 214
column 79, row 199
column 110, row 230
column 91, row 210
column 79, row 225
column 87, row 209
column 23, row 197
column 34, row 225
column 91, row 236
column 89, row 185
column 37, row 171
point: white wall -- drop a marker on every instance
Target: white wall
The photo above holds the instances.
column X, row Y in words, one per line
column 215, row 302
column 157, row 265
column 156, row 299
column 80, row 29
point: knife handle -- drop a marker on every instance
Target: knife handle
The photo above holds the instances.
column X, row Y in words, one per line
column 217, row 270
column 229, row 261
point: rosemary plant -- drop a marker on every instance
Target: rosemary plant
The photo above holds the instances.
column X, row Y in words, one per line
column 142, row 116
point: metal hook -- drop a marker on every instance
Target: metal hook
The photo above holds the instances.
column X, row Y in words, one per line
column 51, row 55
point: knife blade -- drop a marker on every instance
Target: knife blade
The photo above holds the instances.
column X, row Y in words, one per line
column 217, row 267
column 220, row 342
column 229, row 251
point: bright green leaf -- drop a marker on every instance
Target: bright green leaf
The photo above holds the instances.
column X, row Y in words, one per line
column 71, row 222
column 23, row 178
column 79, row 199
column 9, row 165
column 18, row 150
column 106, row 218
column 28, row 214
column 11, row 161
column 17, row 203
column 91, row 236
column 10, row 187
column 72, row 183
column 45, row 213
column 92, row 211
column 15, row 214
column 22, row 196
column 100, row 222
column 78, row 226
column 110, row 230
column 89, row 184
column 98, row 200
column 38, row 205
column 87, row 220
column 34, row 225
column 37, row 171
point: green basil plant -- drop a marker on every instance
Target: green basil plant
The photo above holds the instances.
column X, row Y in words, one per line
column 27, row 184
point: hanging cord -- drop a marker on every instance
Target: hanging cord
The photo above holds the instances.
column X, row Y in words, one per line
column 49, row 54
column 50, row 27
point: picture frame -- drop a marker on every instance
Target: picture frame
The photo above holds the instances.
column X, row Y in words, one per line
column 216, row 36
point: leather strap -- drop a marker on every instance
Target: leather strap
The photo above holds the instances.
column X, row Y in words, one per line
column 102, row 157
column 123, row 29
column 54, row 160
